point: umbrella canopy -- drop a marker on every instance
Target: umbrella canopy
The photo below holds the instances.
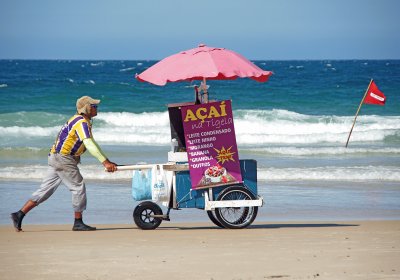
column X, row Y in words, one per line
column 203, row 63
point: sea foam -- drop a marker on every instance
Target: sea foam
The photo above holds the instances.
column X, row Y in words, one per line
column 329, row 173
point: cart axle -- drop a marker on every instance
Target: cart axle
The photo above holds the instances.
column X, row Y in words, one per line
column 162, row 217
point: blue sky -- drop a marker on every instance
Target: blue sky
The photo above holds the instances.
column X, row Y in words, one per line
column 150, row 29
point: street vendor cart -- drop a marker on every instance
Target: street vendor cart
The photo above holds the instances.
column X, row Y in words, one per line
column 231, row 201
column 203, row 169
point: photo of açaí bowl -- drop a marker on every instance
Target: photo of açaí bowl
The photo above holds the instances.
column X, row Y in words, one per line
column 215, row 173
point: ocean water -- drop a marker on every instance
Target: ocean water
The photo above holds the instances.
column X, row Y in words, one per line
column 295, row 125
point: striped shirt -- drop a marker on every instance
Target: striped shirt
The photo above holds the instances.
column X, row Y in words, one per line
column 70, row 138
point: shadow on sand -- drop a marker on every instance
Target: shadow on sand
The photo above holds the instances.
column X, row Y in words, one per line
column 305, row 225
column 263, row 226
column 191, row 227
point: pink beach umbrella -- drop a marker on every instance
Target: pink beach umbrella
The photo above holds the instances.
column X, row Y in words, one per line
column 203, row 63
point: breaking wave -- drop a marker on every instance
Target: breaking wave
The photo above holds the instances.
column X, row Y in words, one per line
column 253, row 128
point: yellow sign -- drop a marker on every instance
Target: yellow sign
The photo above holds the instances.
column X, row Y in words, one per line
column 225, row 154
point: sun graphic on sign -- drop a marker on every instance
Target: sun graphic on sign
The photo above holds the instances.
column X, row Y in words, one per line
column 225, row 154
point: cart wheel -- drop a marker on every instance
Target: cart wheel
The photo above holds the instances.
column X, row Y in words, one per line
column 143, row 215
column 236, row 217
column 211, row 215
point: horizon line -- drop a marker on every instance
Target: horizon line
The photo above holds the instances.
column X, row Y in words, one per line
column 154, row 59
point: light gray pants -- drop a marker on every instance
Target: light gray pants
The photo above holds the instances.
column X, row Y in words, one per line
column 62, row 169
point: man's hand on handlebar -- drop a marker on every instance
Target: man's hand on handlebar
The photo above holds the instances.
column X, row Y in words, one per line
column 110, row 166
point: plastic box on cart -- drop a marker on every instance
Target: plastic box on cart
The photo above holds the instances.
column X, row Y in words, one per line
column 185, row 197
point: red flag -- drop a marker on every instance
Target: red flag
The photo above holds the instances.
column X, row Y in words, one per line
column 374, row 95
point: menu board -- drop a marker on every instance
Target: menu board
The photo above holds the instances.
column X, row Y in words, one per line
column 211, row 144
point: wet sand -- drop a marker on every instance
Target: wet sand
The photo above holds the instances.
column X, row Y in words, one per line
column 287, row 250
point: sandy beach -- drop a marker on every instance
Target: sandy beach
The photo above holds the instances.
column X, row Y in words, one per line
column 297, row 250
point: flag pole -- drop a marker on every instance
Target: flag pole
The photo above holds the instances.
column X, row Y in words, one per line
column 358, row 110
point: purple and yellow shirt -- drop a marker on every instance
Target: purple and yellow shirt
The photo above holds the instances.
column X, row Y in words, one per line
column 70, row 138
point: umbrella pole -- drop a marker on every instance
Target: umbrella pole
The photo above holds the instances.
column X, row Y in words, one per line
column 196, row 95
column 205, row 97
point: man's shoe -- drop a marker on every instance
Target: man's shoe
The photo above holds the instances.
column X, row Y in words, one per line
column 17, row 217
column 81, row 226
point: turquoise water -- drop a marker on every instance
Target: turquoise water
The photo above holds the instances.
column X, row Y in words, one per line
column 295, row 125
column 305, row 87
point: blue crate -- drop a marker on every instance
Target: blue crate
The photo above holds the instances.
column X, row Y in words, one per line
column 187, row 198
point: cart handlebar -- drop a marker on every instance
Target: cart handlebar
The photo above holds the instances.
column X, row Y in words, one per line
column 166, row 166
